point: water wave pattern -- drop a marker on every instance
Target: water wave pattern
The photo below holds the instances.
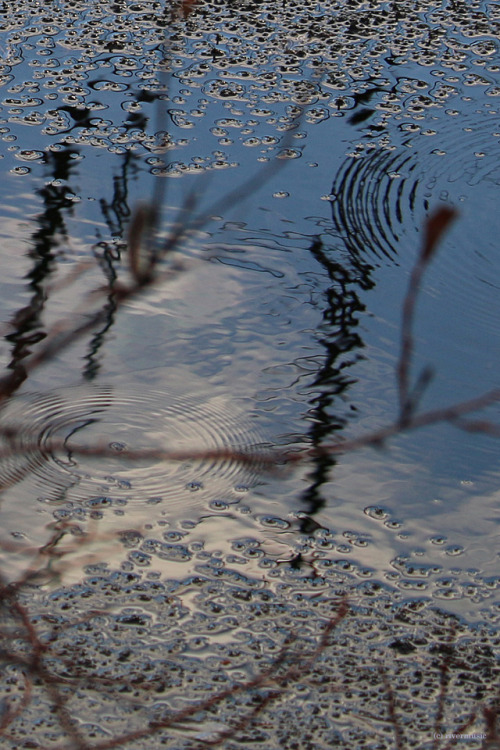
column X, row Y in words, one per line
column 41, row 435
column 381, row 196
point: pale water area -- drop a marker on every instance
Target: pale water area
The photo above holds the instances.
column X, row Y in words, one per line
column 278, row 329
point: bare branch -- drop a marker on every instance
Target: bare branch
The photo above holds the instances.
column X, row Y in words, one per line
column 435, row 227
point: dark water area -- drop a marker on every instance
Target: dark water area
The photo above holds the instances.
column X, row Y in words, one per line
column 280, row 326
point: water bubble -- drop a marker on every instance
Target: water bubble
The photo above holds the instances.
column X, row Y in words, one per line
column 394, row 525
column 274, row 522
column 99, row 502
column 439, row 540
column 454, row 550
column 194, row 486
column 154, row 500
column 173, row 536
column 289, row 153
column 376, row 512
column 251, row 142
column 140, row 559
column 218, row 505
column 29, row 155
column 241, row 488
column 344, row 549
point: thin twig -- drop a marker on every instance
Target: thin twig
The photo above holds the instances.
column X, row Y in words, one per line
column 435, row 227
column 391, row 707
column 444, row 677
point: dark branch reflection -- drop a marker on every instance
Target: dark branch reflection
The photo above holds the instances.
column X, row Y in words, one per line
column 51, row 231
column 341, row 341
column 108, row 253
column 368, row 212
column 57, row 202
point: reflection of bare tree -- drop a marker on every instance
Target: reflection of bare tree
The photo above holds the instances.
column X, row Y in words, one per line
column 116, row 215
column 340, row 322
column 117, row 212
column 27, row 323
column 56, row 194
column 340, row 339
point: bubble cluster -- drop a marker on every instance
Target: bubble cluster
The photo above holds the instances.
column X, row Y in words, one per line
column 94, row 75
column 142, row 649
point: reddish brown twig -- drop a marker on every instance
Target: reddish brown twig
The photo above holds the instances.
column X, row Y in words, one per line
column 435, row 227
column 444, row 676
column 391, row 707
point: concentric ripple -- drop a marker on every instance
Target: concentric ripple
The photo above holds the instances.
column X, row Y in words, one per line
column 380, row 196
column 45, row 438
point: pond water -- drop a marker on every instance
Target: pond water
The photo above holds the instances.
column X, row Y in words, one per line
column 280, row 322
column 283, row 326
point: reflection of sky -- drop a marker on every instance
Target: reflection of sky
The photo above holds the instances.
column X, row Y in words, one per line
column 248, row 320
column 428, row 530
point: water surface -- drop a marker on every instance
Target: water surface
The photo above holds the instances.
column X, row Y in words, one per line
column 283, row 325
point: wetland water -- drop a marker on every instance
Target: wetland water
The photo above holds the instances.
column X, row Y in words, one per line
column 283, row 327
